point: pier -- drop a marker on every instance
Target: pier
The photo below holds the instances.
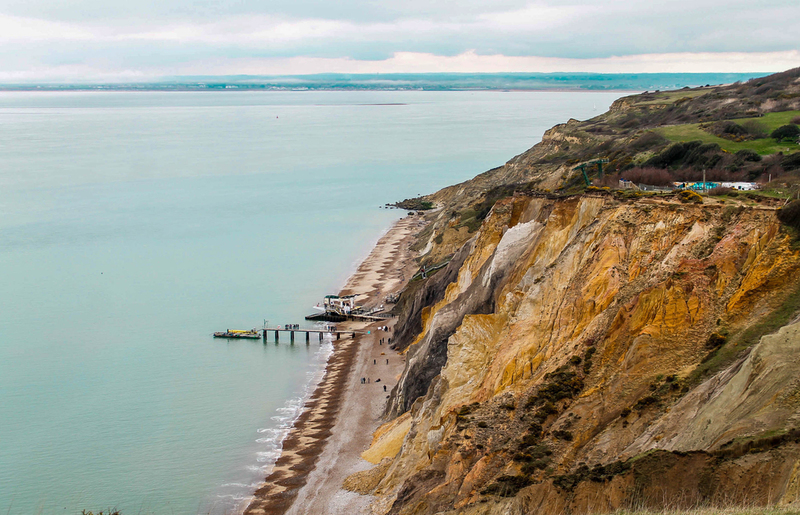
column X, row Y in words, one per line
column 308, row 332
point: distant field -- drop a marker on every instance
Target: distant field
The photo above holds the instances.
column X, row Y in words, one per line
column 670, row 97
column 765, row 146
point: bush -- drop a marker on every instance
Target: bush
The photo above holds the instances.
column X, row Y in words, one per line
column 786, row 132
column 507, row 486
column 728, row 130
column 692, row 153
column 755, row 129
column 645, row 402
column 647, row 140
column 563, row 435
column 748, row 155
column 791, row 162
column 561, row 384
column 790, row 214
column 716, row 340
column 687, row 196
column 673, row 154
column 650, row 175
column 796, row 120
column 720, row 191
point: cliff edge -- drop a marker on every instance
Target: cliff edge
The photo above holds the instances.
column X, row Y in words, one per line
column 587, row 351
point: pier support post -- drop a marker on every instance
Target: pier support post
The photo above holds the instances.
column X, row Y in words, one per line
column 320, row 336
column 338, row 335
column 291, row 336
column 308, row 337
column 276, row 336
column 353, row 336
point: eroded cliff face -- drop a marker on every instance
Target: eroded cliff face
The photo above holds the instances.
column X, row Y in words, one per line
column 587, row 353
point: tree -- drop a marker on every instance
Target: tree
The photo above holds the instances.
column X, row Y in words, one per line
column 790, row 132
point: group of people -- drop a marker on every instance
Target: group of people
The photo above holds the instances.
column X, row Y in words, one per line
column 367, row 380
column 381, row 341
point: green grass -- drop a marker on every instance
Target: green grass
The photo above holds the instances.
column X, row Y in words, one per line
column 765, row 146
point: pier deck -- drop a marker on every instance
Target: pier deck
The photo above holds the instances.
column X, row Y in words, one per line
column 309, row 332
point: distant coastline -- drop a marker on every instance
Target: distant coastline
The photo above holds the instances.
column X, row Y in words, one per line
column 406, row 82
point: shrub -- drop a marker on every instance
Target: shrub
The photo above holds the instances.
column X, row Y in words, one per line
column 791, row 162
column 748, row 155
column 533, row 466
column 673, row 154
column 796, row 120
column 687, row 196
column 728, row 130
column 645, row 402
column 647, row 140
column 507, row 486
column 562, row 384
column 786, row 132
column 720, row 191
column 790, row 214
column 650, row 175
column 563, row 435
column 715, row 341
column 730, row 212
column 755, row 129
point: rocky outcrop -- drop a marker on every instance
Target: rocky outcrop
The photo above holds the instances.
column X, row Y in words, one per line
column 589, row 352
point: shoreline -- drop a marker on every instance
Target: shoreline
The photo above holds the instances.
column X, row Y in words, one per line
column 385, row 270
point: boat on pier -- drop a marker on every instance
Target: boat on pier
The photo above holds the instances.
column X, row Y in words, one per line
column 238, row 333
column 339, row 309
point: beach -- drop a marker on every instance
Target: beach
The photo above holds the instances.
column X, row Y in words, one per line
column 336, row 425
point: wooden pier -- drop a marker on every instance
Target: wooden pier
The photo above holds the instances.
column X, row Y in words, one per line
column 308, row 332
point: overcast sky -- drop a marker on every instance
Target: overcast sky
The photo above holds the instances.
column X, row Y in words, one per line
column 146, row 39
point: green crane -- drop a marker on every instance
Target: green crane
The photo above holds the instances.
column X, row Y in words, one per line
column 582, row 168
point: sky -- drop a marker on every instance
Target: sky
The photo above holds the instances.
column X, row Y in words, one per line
column 130, row 40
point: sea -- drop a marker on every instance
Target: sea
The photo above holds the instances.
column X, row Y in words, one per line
column 135, row 224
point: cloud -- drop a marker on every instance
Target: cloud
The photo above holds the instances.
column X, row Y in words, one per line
column 474, row 35
column 16, row 29
column 410, row 62
column 471, row 62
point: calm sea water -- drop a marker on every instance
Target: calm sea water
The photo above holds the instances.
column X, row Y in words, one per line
column 133, row 225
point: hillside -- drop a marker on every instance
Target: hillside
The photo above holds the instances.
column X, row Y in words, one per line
column 585, row 351
column 659, row 130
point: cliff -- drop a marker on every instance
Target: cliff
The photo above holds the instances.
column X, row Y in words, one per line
column 581, row 334
column 585, row 352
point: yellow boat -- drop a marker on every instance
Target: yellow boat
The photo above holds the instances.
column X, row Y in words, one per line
column 238, row 333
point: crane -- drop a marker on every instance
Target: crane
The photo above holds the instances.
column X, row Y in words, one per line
column 582, row 168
